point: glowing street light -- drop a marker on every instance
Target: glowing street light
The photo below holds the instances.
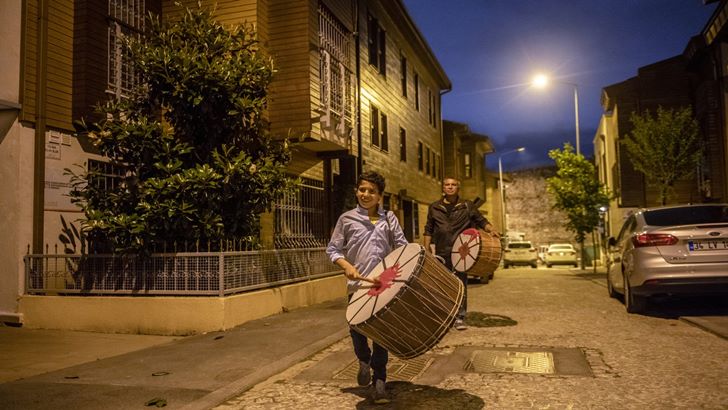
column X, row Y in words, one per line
column 502, row 192
column 542, row 81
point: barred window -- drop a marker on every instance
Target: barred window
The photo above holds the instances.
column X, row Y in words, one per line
column 126, row 19
column 103, row 175
column 337, row 85
column 299, row 217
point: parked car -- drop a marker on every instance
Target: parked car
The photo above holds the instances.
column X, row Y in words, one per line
column 560, row 254
column 669, row 250
column 520, row 253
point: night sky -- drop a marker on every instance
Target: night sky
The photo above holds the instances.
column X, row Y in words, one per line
column 490, row 50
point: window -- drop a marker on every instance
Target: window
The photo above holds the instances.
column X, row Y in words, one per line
column 427, row 159
column 126, row 19
column 379, row 134
column 467, row 169
column 299, row 217
column 416, row 218
column 377, row 45
column 429, row 106
column 384, row 134
column 374, row 119
column 336, row 86
column 403, row 73
column 420, row 158
column 417, row 92
column 105, row 176
column 402, row 144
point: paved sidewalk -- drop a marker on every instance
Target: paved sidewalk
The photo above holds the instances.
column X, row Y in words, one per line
column 128, row 371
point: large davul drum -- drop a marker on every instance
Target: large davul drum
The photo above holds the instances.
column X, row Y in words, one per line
column 476, row 252
column 414, row 306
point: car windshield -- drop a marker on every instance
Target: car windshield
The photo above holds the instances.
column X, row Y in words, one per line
column 519, row 245
column 690, row 215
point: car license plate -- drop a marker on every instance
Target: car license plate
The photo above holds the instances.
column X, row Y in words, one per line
column 708, row 245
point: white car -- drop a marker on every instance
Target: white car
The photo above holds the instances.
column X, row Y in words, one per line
column 520, row 253
column 669, row 251
column 560, row 254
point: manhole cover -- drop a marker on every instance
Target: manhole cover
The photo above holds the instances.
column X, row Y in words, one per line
column 397, row 369
column 490, row 361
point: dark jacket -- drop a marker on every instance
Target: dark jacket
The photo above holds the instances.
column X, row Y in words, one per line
column 444, row 227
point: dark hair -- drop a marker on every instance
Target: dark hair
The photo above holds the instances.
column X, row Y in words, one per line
column 373, row 177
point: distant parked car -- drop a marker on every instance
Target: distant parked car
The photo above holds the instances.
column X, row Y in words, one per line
column 669, row 250
column 560, row 254
column 520, row 253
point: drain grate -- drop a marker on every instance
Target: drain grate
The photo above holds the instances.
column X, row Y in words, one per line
column 397, row 369
column 503, row 361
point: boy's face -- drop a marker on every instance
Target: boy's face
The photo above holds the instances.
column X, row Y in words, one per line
column 368, row 195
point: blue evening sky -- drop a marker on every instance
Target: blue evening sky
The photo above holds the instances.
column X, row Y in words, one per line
column 490, row 49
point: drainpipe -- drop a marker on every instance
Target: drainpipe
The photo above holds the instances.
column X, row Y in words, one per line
column 40, row 128
column 357, row 53
column 442, row 134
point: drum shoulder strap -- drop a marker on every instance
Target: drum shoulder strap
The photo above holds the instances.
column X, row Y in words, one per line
column 390, row 233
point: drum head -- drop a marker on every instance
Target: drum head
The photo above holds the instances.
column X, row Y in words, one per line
column 465, row 250
column 395, row 271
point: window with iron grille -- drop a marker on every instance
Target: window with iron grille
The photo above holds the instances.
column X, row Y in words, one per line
column 104, row 175
column 299, row 217
column 337, row 86
column 126, row 19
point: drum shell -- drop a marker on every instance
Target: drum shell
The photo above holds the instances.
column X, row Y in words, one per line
column 489, row 256
column 420, row 315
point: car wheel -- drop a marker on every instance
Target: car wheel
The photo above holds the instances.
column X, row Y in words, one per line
column 535, row 266
column 548, row 265
column 633, row 303
column 610, row 288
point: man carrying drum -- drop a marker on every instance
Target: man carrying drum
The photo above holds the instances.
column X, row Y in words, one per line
column 362, row 237
column 446, row 219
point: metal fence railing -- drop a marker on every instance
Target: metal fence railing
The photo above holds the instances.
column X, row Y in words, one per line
column 194, row 273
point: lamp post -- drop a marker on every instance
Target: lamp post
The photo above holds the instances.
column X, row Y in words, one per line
column 541, row 81
column 502, row 192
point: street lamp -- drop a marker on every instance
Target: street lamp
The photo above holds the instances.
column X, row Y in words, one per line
column 541, row 81
column 502, row 192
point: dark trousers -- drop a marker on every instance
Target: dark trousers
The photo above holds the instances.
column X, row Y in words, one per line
column 376, row 359
column 463, row 278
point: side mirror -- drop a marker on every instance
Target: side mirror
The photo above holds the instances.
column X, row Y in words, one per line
column 611, row 241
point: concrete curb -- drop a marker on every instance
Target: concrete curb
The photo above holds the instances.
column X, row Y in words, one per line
column 717, row 326
column 239, row 386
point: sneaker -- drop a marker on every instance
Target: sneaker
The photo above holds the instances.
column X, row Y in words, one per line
column 379, row 394
column 364, row 376
column 460, row 325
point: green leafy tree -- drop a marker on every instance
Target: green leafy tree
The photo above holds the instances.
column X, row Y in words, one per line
column 190, row 149
column 576, row 192
column 665, row 148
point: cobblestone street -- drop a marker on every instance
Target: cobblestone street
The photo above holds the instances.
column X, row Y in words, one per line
column 633, row 361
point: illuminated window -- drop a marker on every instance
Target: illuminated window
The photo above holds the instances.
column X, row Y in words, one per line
column 467, row 170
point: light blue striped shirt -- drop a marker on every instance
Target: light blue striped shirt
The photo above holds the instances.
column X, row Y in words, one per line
column 362, row 243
